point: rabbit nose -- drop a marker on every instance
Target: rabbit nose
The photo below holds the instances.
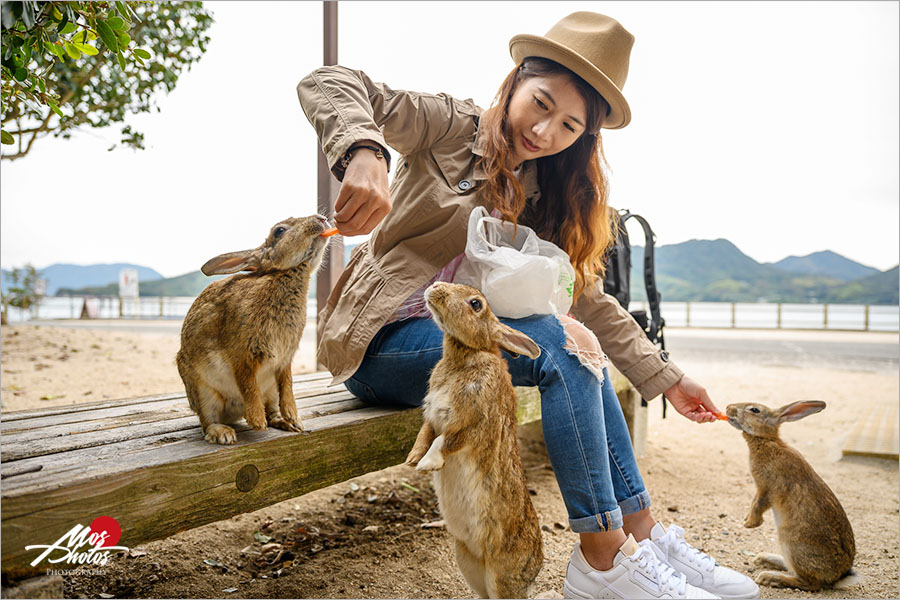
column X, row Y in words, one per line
column 323, row 220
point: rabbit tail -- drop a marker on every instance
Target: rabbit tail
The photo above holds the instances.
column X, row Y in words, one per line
column 849, row 579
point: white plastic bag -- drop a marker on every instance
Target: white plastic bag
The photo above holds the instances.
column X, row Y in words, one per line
column 520, row 275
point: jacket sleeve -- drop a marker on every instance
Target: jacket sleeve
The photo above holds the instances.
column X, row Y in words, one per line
column 346, row 107
column 625, row 343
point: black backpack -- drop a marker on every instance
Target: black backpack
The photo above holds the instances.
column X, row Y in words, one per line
column 617, row 281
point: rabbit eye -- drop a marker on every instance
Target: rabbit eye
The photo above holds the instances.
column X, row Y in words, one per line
column 279, row 231
column 753, row 409
column 475, row 303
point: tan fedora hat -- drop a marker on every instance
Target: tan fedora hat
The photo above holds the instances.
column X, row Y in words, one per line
column 595, row 47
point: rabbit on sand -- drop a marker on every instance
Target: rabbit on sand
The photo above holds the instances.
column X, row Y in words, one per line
column 241, row 333
column 468, row 439
column 816, row 539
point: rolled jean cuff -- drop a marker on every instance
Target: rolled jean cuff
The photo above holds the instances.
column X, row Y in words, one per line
column 635, row 503
column 605, row 521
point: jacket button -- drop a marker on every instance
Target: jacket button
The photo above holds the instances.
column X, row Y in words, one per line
column 464, row 184
column 664, row 356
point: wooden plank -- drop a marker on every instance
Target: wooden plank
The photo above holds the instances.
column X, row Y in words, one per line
column 50, row 470
column 875, row 433
column 157, row 501
column 67, row 468
column 171, row 481
column 41, row 427
column 307, row 381
column 98, row 433
column 67, row 409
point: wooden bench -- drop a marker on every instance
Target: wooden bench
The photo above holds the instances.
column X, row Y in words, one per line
column 143, row 461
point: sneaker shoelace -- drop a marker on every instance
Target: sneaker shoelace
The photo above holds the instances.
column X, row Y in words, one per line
column 665, row 576
column 674, row 539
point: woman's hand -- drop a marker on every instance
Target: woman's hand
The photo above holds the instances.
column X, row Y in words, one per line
column 691, row 400
column 364, row 199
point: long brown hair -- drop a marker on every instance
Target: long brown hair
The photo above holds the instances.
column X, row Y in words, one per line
column 573, row 211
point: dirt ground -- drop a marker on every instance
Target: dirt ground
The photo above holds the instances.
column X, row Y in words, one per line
column 379, row 536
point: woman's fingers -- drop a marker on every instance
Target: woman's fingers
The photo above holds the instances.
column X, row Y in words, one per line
column 707, row 402
column 361, row 213
column 364, row 199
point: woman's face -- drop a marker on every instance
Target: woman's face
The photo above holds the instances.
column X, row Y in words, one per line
column 546, row 116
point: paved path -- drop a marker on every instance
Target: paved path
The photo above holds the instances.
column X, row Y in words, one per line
column 869, row 351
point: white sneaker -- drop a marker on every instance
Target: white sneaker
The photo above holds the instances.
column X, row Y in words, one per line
column 636, row 573
column 701, row 569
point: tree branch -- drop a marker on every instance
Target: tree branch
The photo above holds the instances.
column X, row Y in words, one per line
column 43, row 127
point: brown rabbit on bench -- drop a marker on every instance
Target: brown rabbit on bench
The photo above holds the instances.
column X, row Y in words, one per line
column 241, row 333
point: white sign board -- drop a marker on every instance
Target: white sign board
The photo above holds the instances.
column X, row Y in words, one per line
column 40, row 287
column 128, row 283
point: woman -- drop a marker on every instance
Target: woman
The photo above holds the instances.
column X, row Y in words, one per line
column 532, row 158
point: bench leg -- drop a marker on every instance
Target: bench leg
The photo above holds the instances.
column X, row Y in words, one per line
column 635, row 414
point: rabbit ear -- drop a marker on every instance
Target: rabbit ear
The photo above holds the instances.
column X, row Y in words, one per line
column 232, row 262
column 798, row 410
column 515, row 342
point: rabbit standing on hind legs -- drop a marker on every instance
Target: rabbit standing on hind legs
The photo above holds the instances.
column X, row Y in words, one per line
column 241, row 333
column 468, row 440
column 815, row 535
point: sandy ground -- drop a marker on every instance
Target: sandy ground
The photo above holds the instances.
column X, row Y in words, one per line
column 365, row 538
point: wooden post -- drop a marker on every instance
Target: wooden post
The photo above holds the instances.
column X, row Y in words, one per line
column 121, row 312
column 161, row 312
column 866, row 328
column 733, row 319
column 779, row 316
column 328, row 186
column 687, row 314
column 824, row 316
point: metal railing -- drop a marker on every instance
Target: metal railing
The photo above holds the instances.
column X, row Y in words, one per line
column 740, row 315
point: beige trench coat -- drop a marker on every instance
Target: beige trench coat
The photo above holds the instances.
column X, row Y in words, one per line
column 435, row 187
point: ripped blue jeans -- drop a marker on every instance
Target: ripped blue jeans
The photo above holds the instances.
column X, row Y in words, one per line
column 584, row 429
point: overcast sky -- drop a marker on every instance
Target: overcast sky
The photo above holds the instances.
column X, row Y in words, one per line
column 771, row 124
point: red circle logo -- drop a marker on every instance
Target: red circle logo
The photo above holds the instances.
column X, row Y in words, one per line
column 110, row 526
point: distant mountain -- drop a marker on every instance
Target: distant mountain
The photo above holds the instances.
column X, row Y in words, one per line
column 189, row 284
column 696, row 271
column 826, row 263
column 880, row 288
column 61, row 275
column 717, row 271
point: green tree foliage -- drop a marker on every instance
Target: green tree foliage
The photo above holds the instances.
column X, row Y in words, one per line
column 72, row 64
column 22, row 291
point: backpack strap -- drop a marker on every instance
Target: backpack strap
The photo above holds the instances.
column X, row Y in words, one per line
column 653, row 297
column 655, row 326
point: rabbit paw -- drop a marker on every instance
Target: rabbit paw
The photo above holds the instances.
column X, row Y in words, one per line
column 753, row 521
column 285, row 424
column 771, row 561
column 414, row 456
column 775, row 579
column 220, row 434
column 430, row 462
column 255, row 417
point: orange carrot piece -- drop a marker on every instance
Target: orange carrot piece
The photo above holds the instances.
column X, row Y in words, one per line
column 329, row 232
